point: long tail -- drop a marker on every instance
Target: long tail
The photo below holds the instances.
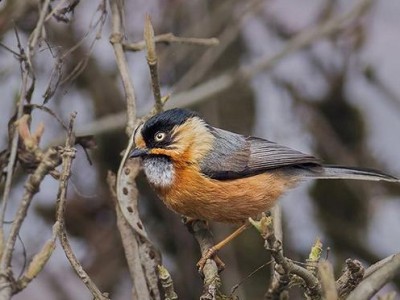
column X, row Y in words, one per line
column 339, row 172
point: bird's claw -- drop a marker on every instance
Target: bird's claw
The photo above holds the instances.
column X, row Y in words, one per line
column 210, row 253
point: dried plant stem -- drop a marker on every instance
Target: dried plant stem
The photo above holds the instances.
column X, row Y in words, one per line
column 67, row 155
column 116, row 41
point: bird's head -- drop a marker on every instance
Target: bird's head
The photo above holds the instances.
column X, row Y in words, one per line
column 178, row 134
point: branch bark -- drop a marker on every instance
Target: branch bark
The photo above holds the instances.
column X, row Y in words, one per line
column 375, row 281
column 212, row 281
column 274, row 246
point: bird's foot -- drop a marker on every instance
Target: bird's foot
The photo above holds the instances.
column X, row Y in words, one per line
column 210, row 254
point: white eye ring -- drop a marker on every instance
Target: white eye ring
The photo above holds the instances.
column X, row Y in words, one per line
column 159, row 136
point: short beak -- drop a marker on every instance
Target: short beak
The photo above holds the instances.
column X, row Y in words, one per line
column 138, row 152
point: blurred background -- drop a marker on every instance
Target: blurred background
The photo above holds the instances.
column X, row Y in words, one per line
column 338, row 98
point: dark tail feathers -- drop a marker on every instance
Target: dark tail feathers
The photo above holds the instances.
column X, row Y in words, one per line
column 339, row 172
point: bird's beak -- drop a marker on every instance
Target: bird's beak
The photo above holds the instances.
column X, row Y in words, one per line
column 138, row 152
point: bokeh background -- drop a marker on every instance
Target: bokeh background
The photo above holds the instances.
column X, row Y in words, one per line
column 338, row 98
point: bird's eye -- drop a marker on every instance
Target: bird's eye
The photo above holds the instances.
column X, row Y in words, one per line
column 159, row 136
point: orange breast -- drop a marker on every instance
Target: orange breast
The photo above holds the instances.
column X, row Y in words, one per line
column 230, row 201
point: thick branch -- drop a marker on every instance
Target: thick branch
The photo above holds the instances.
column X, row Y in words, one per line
column 167, row 283
column 374, row 282
column 212, row 281
column 353, row 274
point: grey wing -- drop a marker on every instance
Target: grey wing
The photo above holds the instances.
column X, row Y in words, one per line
column 236, row 156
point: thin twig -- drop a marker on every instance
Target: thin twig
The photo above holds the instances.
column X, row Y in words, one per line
column 13, row 150
column 34, row 37
column 206, row 61
column 307, row 37
column 49, row 162
column 152, row 61
column 266, row 229
column 303, row 39
column 55, row 9
column 10, row 50
column 67, row 155
column 226, row 80
column 116, row 40
column 171, row 38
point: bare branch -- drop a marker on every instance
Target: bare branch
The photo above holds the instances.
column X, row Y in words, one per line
column 171, row 38
column 38, row 262
column 374, row 282
column 68, row 154
column 34, row 37
column 307, row 37
column 49, row 162
column 167, row 283
column 300, row 41
column 116, row 40
column 224, row 81
column 266, row 229
column 353, row 274
column 212, row 281
column 13, row 150
column 152, row 61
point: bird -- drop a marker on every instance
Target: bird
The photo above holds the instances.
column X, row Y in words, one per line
column 207, row 173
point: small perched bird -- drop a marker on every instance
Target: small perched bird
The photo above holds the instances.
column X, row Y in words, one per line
column 207, row 173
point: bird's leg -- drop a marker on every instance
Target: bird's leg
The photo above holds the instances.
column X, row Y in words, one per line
column 188, row 221
column 213, row 250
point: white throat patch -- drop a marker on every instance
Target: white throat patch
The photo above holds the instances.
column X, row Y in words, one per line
column 159, row 171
